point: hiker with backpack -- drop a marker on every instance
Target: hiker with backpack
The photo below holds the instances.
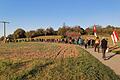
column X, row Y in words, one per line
column 97, row 44
column 104, row 47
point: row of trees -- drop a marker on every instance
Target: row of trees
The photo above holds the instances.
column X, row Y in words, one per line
column 66, row 29
column 107, row 31
column 20, row 33
column 63, row 31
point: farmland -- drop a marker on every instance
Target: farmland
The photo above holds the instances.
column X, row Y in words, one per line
column 50, row 61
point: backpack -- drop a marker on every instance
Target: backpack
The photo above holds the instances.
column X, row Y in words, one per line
column 97, row 41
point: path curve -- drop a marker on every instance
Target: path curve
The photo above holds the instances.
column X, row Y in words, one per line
column 113, row 62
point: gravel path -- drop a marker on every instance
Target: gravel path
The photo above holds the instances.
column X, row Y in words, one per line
column 113, row 60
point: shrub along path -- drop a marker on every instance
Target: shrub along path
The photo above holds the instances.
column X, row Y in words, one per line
column 113, row 59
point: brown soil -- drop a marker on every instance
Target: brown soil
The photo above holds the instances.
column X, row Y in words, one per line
column 63, row 51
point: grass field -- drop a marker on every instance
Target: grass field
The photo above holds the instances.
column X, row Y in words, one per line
column 48, row 37
column 50, row 61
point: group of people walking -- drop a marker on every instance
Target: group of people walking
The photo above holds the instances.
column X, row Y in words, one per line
column 93, row 43
column 88, row 43
column 97, row 44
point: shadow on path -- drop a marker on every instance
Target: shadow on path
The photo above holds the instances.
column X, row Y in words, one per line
column 109, row 57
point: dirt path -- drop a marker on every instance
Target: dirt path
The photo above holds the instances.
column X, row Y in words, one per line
column 113, row 59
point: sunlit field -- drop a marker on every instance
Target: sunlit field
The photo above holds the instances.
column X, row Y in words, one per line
column 50, row 61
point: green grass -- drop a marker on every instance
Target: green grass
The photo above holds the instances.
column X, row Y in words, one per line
column 116, row 52
column 40, row 37
column 83, row 67
column 48, row 37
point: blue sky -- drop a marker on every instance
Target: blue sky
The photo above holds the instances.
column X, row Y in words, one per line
column 34, row 14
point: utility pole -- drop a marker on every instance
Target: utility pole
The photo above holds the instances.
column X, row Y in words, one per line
column 4, row 25
column 45, row 32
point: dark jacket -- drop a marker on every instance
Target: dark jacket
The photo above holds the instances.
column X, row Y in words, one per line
column 104, row 43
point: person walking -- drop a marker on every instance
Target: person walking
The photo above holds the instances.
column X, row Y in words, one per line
column 86, row 43
column 93, row 43
column 104, row 47
column 89, row 42
column 97, row 43
column 80, row 41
